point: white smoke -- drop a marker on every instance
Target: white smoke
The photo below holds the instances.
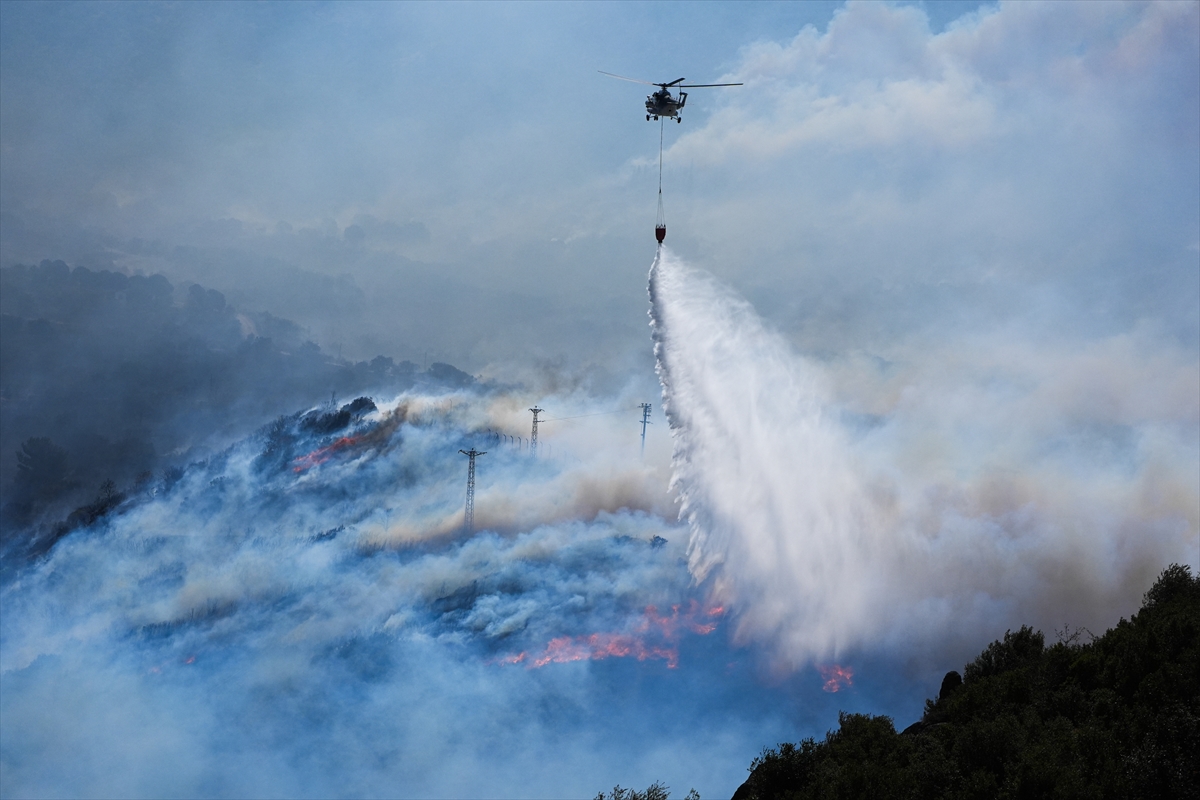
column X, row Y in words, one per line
column 303, row 615
column 828, row 536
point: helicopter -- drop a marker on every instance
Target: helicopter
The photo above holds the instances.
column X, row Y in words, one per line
column 662, row 103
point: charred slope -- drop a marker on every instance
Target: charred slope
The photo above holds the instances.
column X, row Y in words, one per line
column 107, row 380
column 1118, row 717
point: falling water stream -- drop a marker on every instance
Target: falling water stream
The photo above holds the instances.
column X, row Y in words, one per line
column 825, row 539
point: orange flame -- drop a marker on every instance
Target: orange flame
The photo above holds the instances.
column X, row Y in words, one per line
column 597, row 646
column 836, row 677
column 603, row 645
column 670, row 625
column 323, row 454
column 517, row 659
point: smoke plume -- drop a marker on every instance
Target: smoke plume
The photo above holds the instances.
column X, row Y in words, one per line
column 303, row 614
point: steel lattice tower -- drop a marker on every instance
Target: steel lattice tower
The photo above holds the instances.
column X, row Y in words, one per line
column 645, row 421
column 469, row 512
column 533, row 436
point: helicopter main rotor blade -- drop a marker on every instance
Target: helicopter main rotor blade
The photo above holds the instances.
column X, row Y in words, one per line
column 672, row 83
column 631, row 80
column 705, row 85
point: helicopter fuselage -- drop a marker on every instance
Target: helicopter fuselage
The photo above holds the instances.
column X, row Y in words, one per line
column 663, row 104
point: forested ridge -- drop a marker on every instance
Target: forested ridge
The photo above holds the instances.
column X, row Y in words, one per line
column 111, row 381
column 1114, row 717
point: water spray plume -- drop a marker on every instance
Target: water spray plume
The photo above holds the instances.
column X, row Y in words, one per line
column 824, row 541
column 764, row 480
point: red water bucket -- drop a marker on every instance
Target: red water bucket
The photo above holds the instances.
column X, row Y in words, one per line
column 660, row 232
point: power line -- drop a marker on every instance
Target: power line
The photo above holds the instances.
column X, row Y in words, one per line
column 596, row 414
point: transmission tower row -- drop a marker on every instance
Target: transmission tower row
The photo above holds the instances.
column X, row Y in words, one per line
column 472, row 454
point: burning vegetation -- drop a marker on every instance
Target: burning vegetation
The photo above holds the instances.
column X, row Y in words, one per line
column 655, row 636
column 836, row 677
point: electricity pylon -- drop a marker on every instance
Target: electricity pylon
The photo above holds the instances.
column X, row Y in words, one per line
column 469, row 512
column 645, row 421
column 533, row 436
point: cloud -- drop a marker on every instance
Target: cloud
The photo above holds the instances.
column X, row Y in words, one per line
column 877, row 78
column 872, row 80
column 1038, row 158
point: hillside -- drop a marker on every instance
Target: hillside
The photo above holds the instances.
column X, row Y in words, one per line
column 108, row 380
column 1116, row 717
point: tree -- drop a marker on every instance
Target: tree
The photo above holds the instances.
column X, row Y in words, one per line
column 655, row 791
column 1118, row 717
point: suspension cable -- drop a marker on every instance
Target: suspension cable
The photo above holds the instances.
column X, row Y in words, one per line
column 660, row 225
column 661, row 124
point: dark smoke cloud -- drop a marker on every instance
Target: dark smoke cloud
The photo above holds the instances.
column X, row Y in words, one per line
column 110, row 379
